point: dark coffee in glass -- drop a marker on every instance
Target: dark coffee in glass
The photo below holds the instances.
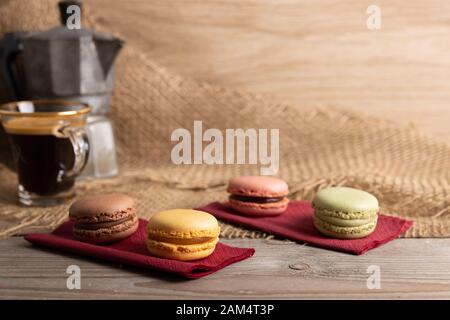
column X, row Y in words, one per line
column 50, row 148
column 41, row 159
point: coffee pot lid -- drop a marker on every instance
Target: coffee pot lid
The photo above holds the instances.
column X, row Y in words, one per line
column 62, row 32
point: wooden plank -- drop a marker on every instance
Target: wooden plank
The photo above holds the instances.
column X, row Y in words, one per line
column 410, row 268
column 304, row 52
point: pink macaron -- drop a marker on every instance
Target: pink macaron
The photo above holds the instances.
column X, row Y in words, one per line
column 258, row 195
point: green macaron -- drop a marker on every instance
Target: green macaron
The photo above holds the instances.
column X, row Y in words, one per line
column 345, row 213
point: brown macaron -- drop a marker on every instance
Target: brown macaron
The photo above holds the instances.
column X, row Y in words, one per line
column 103, row 218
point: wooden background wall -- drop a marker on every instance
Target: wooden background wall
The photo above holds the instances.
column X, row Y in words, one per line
column 308, row 52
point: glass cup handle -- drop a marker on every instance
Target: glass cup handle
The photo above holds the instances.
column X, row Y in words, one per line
column 80, row 143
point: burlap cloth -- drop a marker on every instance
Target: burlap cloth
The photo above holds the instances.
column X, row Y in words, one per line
column 407, row 171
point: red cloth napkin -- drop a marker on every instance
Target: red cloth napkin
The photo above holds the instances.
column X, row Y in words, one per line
column 296, row 224
column 133, row 251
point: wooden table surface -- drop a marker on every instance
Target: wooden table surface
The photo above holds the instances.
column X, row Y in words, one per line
column 409, row 268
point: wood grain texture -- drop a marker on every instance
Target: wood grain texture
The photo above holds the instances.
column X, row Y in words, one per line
column 410, row 268
column 305, row 52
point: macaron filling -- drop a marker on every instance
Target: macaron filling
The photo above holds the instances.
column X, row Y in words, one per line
column 100, row 225
column 181, row 241
column 345, row 230
column 346, row 215
column 184, row 238
column 107, row 234
column 156, row 233
column 186, row 248
column 343, row 222
column 256, row 199
column 103, row 216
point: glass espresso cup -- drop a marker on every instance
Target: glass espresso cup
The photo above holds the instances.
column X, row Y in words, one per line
column 49, row 145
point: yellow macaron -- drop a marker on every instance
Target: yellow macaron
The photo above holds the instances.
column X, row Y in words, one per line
column 182, row 234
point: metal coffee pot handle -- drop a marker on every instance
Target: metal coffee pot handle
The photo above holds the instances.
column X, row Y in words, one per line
column 80, row 143
column 10, row 49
